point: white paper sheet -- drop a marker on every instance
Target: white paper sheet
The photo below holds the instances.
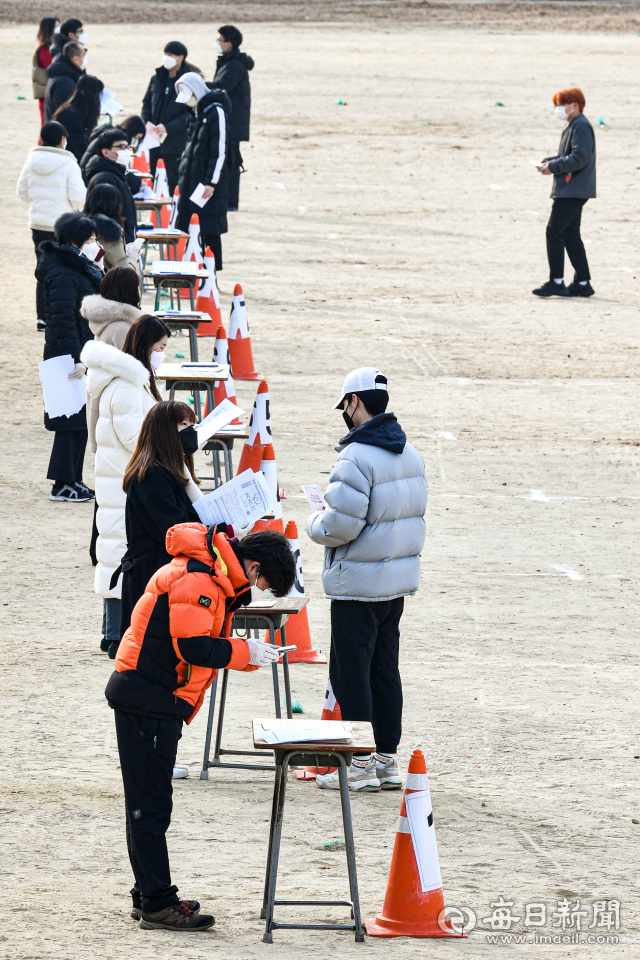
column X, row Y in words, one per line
column 187, row 268
column 423, row 834
column 197, row 198
column 109, row 104
column 240, row 501
column 62, row 397
column 299, row 731
column 313, row 493
column 148, row 142
column 219, row 417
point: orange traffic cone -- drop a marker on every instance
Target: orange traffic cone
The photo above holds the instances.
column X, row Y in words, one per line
column 298, row 623
column 161, row 189
column 224, row 389
column 208, row 300
column 414, row 902
column 268, row 525
column 174, row 212
column 270, row 472
column 330, row 711
column 239, row 339
column 251, row 457
column 260, row 423
column 140, row 160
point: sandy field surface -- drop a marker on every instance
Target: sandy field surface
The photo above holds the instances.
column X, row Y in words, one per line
column 403, row 228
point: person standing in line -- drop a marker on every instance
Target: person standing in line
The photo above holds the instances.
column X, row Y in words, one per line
column 63, row 74
column 168, row 117
column 109, row 165
column 42, row 59
column 80, row 113
column 204, row 161
column 68, row 274
column 51, row 183
column 71, row 30
column 104, row 206
column 373, row 531
column 232, row 75
column 122, row 388
column 574, row 182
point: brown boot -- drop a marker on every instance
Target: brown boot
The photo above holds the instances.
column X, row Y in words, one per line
column 176, row 917
column 194, row 906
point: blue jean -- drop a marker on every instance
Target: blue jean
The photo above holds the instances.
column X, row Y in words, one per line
column 111, row 608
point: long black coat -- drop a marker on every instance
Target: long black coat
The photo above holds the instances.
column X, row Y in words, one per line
column 67, row 278
column 72, row 120
column 205, row 160
column 232, row 74
column 153, row 506
column 63, row 77
column 159, row 106
column 102, row 170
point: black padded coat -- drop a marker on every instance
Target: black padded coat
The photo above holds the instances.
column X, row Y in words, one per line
column 67, row 278
column 102, row 170
column 63, row 77
column 205, row 160
column 159, row 106
column 232, row 74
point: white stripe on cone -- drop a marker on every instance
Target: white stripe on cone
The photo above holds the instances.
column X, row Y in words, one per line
column 193, row 250
column 238, row 320
column 297, row 590
column 160, row 183
column 270, row 472
column 260, row 424
column 221, row 356
column 209, row 287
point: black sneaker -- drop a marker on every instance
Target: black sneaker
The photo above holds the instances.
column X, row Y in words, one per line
column 84, row 489
column 104, row 646
column 41, row 326
column 194, row 906
column 113, row 649
column 580, row 290
column 177, row 917
column 551, row 289
column 69, row 493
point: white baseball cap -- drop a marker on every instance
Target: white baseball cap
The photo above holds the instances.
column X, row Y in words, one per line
column 364, row 378
column 184, row 93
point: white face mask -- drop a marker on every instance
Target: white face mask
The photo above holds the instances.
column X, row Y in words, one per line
column 561, row 112
column 217, row 47
column 91, row 250
column 85, row 61
column 56, row 29
column 156, row 359
column 192, row 101
column 169, row 62
column 123, row 157
column 83, row 37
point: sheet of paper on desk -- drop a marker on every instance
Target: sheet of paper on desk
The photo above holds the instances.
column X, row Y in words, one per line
column 299, row 731
column 313, row 493
column 240, row 501
column 219, row 417
column 197, row 198
column 62, row 397
column 146, row 193
column 185, row 268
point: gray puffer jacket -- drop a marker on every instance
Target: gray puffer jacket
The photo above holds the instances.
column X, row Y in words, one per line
column 574, row 168
column 373, row 528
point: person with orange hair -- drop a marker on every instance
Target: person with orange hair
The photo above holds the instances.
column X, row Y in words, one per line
column 574, row 182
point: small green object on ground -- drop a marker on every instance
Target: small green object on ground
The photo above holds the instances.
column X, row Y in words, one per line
column 181, row 355
column 296, row 706
column 334, row 843
column 601, row 122
column 498, row 103
column 21, row 96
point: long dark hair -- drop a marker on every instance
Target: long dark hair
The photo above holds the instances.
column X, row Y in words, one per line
column 45, row 31
column 159, row 443
column 141, row 336
column 122, row 285
column 105, row 199
column 86, row 97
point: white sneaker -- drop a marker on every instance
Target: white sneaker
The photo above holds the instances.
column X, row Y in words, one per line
column 179, row 773
column 360, row 779
column 388, row 775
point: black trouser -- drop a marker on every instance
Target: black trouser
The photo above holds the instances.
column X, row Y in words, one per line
column 213, row 240
column 171, row 164
column 38, row 237
column 235, row 163
column 364, row 674
column 148, row 751
column 563, row 233
column 67, row 456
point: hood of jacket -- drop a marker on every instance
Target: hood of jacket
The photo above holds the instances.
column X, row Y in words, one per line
column 53, row 254
column 100, row 312
column 214, row 96
column 108, row 229
column 104, row 363
column 381, row 431
column 46, row 160
column 98, row 163
column 63, row 67
column 208, row 546
column 240, row 55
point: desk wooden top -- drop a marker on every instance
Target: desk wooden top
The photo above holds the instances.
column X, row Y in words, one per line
column 239, row 434
column 149, row 204
column 162, row 236
column 282, row 605
column 173, row 371
column 362, row 740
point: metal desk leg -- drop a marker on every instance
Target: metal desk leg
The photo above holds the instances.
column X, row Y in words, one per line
column 204, row 775
column 350, row 849
column 215, row 463
column 274, row 810
column 274, row 670
column 274, row 843
column 228, row 465
column 285, row 670
column 223, row 703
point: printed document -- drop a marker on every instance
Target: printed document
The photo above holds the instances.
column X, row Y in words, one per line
column 62, row 397
column 313, row 493
column 298, row 731
column 197, row 196
column 240, row 501
column 219, row 417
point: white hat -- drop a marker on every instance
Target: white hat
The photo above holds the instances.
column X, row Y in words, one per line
column 190, row 84
column 364, row 378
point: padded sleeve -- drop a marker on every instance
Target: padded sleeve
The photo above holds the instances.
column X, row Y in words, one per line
column 205, row 651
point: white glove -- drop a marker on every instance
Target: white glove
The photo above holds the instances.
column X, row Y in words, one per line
column 133, row 249
column 262, row 654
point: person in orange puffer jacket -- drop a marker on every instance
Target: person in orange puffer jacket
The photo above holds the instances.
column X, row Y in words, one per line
column 180, row 635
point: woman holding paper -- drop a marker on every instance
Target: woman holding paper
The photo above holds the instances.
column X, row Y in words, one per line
column 80, row 113
column 122, row 389
column 67, row 274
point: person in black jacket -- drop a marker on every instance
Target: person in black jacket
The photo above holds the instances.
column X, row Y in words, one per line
column 204, row 161
column 68, row 275
column 134, row 129
column 168, row 117
column 80, row 113
column 63, row 73
column 70, row 30
column 110, row 166
column 232, row 74
column 156, row 503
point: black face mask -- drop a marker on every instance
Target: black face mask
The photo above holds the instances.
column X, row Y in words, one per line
column 347, row 419
column 189, row 440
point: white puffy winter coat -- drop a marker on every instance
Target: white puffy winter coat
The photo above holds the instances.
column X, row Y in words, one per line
column 51, row 183
column 120, row 384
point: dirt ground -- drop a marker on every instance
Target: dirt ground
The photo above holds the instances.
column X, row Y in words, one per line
column 402, row 228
